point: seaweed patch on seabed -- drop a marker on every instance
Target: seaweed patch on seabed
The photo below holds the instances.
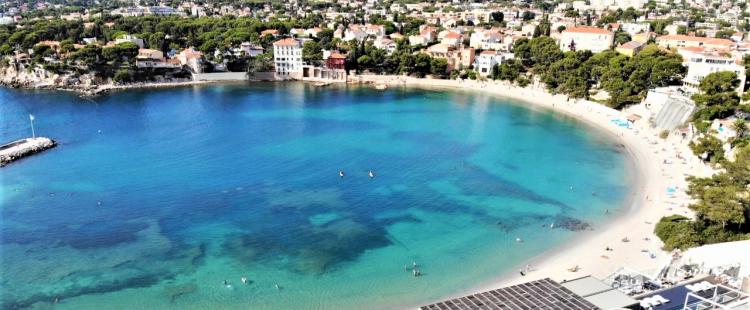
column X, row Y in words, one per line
column 144, row 262
column 559, row 221
column 176, row 291
column 476, row 181
column 311, row 249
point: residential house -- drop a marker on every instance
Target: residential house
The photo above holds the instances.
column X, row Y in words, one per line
column 453, row 38
column 702, row 61
column 130, row 38
column 635, row 28
column 385, row 44
column 487, row 60
column 486, row 39
column 426, row 36
column 586, row 38
column 287, row 57
column 458, row 58
column 192, row 59
column 250, row 49
column 270, row 32
column 630, row 48
column 313, row 32
column 336, row 61
column 677, row 41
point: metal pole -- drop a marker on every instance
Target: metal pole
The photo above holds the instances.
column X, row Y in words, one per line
column 33, row 134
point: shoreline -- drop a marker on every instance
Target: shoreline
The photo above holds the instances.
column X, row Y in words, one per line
column 656, row 166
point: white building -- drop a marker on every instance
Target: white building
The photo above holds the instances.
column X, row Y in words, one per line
column 635, row 28
column 586, row 38
column 486, row 40
column 287, row 57
column 702, row 61
column 487, row 60
column 130, row 38
column 385, row 44
column 249, row 49
column 192, row 59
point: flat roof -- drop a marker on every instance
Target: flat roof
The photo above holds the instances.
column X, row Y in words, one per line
column 599, row 293
column 539, row 294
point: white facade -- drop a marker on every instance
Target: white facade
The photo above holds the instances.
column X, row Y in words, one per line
column 486, row 40
column 287, row 57
column 701, row 64
column 130, row 38
column 635, row 28
column 487, row 60
column 586, row 38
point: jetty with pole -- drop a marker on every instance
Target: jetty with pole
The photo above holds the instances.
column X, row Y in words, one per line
column 21, row 148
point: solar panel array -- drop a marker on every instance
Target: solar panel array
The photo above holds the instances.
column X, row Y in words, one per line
column 541, row 294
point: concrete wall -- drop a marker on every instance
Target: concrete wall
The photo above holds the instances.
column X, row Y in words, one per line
column 220, row 76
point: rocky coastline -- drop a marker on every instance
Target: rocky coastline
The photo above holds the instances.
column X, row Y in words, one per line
column 87, row 85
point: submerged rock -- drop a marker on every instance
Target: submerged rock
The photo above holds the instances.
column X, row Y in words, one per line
column 571, row 223
column 176, row 291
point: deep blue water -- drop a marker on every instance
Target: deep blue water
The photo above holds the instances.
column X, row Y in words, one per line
column 154, row 197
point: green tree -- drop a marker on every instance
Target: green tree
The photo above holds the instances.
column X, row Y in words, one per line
column 718, row 96
column 709, row 148
column 439, row 66
column 497, row 17
column 312, row 52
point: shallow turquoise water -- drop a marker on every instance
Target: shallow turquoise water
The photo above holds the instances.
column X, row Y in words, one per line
column 154, row 198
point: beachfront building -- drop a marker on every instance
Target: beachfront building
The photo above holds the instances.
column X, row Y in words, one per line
column 677, row 41
column 702, row 61
column 586, row 38
column 583, row 293
column 487, row 60
column 335, row 60
column 192, row 59
column 458, row 58
column 669, row 107
column 287, row 57
column 149, row 58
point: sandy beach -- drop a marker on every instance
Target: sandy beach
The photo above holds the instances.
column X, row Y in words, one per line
column 659, row 163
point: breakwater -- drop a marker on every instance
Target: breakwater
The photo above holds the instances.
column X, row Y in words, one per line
column 24, row 147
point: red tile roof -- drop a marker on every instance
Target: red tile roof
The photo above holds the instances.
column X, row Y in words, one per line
column 682, row 37
column 587, row 29
column 286, row 42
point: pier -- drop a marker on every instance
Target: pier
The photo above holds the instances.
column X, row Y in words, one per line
column 21, row 148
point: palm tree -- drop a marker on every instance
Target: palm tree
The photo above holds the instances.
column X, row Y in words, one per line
column 740, row 126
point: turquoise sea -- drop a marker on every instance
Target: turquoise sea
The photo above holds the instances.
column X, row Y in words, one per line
column 154, row 198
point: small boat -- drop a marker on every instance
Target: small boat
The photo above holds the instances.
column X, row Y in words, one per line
column 381, row 87
column 322, row 84
column 371, row 174
column 341, row 173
